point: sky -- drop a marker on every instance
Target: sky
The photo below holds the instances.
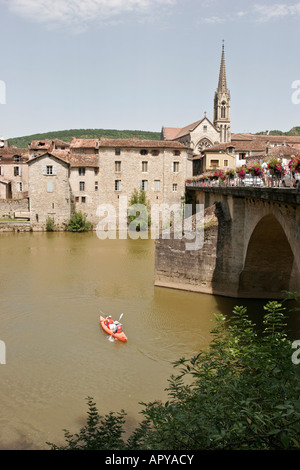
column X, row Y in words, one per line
column 144, row 64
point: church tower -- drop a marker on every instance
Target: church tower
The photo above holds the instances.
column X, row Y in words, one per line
column 222, row 104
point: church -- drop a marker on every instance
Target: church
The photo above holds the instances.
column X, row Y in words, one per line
column 204, row 134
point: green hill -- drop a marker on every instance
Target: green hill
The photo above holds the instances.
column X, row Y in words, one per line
column 66, row 135
column 295, row 131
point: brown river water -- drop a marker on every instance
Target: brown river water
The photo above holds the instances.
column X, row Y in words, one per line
column 52, row 288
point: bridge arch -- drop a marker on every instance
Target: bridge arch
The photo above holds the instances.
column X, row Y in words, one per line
column 269, row 261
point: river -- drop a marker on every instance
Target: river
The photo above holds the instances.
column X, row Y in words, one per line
column 53, row 286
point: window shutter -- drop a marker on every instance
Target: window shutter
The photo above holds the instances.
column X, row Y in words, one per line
column 20, row 171
column 49, row 187
column 44, row 171
column 54, row 170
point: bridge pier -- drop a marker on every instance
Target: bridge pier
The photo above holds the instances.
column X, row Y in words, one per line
column 256, row 249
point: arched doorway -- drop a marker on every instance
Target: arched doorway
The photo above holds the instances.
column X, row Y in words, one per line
column 268, row 263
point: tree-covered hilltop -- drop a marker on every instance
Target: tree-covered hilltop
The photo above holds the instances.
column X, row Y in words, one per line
column 67, row 135
column 295, row 131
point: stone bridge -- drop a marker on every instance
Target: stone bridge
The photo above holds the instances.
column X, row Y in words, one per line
column 256, row 251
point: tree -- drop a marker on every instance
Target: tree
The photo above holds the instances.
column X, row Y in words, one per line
column 141, row 218
column 241, row 393
column 78, row 223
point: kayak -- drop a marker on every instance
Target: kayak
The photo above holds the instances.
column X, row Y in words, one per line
column 120, row 336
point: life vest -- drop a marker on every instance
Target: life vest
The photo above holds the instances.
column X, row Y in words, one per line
column 119, row 328
column 109, row 321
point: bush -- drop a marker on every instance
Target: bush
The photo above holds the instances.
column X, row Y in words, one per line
column 78, row 223
column 141, row 220
column 50, row 225
column 241, row 393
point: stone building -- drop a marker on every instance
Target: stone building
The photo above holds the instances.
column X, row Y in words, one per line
column 157, row 167
column 49, row 190
column 93, row 172
column 13, row 173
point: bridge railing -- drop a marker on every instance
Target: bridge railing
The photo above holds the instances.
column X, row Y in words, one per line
column 255, row 182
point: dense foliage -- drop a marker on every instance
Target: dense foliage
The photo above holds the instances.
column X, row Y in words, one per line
column 139, row 219
column 240, row 393
column 67, row 135
column 78, row 223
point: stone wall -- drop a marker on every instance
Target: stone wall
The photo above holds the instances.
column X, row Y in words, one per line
column 8, row 207
column 86, row 200
column 192, row 270
column 49, row 193
column 160, row 175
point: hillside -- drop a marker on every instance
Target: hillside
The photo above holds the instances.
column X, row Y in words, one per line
column 66, row 135
column 294, row 132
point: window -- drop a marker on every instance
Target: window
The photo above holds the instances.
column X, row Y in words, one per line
column 17, row 171
column 49, row 187
column 96, row 170
column 214, row 163
column 242, row 156
column 144, row 152
column 155, row 153
column 20, row 186
column 81, row 171
column 96, row 185
column 16, row 158
column 117, row 185
column 176, row 152
column 204, row 128
column 49, row 170
column 77, row 199
column 81, row 186
column 144, row 167
column 225, row 162
column 117, row 152
column 175, row 188
column 156, row 185
column 175, row 167
column 144, row 185
column 230, row 149
column 117, row 167
column 83, row 199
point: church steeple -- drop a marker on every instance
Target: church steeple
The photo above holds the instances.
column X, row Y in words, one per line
column 222, row 103
column 222, row 86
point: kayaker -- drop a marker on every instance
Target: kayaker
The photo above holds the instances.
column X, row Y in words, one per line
column 109, row 321
column 117, row 327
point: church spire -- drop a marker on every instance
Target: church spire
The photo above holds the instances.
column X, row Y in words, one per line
column 222, row 86
column 222, row 104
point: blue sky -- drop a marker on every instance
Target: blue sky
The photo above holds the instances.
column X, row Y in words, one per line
column 142, row 64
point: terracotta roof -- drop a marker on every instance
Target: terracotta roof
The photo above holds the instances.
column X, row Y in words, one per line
column 169, row 133
column 172, row 133
column 137, row 143
column 238, row 146
column 84, row 143
column 40, row 144
column 4, row 180
column 64, row 160
column 83, row 160
column 282, row 150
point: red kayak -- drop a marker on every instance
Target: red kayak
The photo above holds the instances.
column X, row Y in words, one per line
column 119, row 335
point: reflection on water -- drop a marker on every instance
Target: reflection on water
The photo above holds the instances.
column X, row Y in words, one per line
column 53, row 286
